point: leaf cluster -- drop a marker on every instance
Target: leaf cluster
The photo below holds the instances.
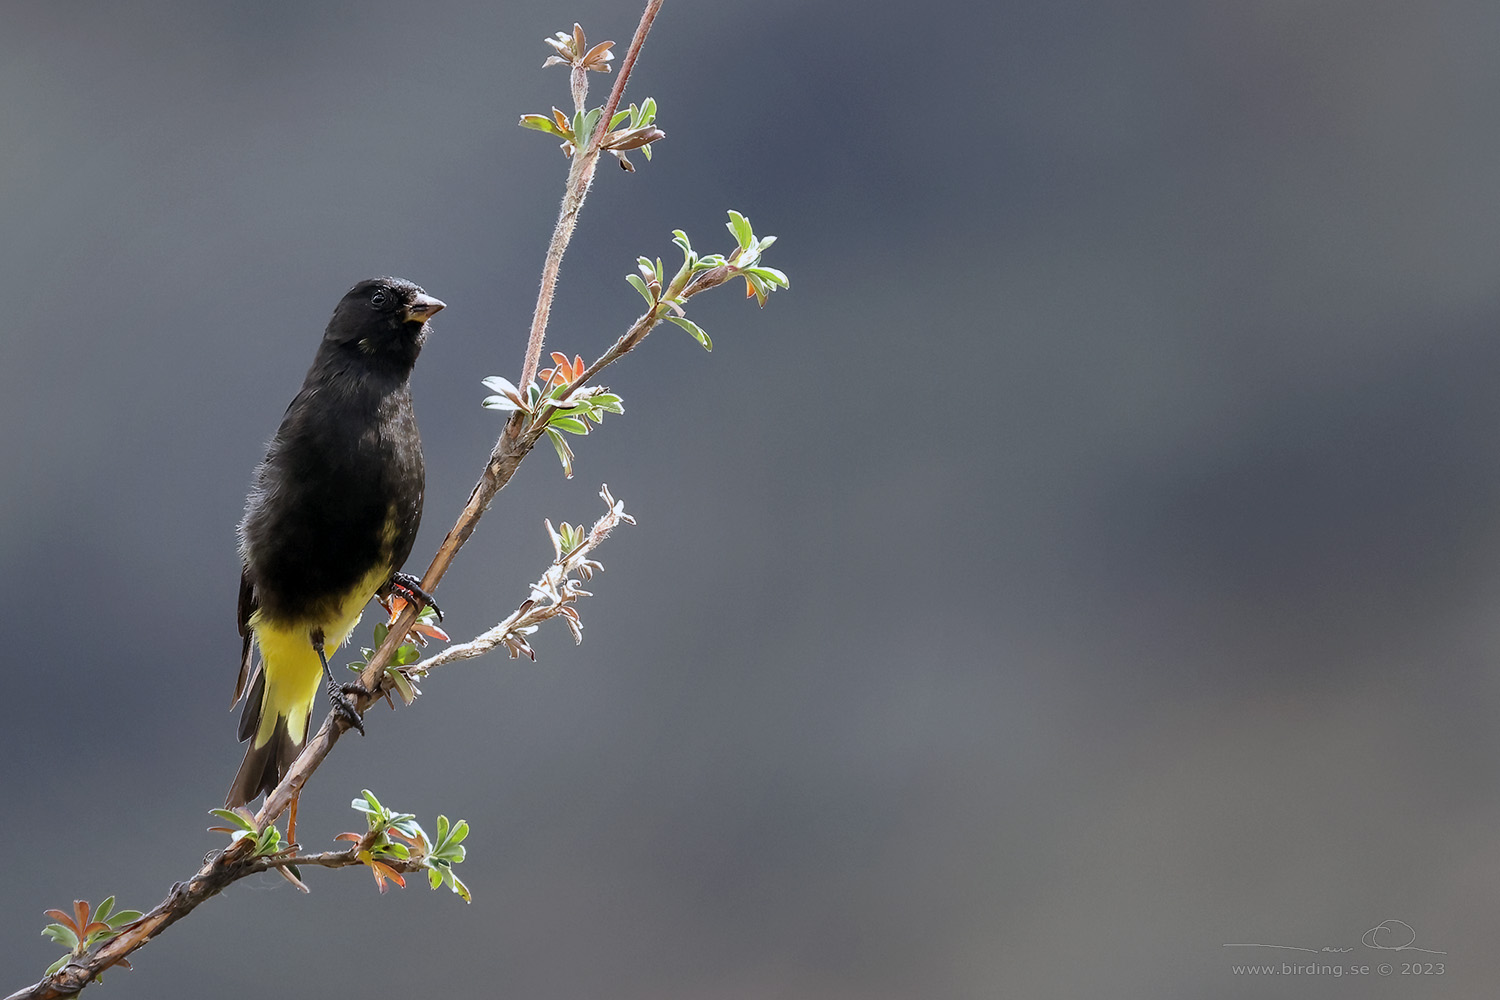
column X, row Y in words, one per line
column 265, row 842
column 567, row 412
column 665, row 298
column 395, row 839
column 406, row 654
column 85, row 927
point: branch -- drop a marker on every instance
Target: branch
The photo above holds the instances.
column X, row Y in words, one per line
column 515, row 442
column 551, row 596
column 556, row 586
column 580, row 176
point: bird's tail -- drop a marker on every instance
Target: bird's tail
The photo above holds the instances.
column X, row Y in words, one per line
column 266, row 761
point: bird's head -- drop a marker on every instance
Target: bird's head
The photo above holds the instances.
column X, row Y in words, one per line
column 384, row 319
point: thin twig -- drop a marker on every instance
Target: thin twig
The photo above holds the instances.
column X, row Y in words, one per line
column 550, row 596
column 580, row 177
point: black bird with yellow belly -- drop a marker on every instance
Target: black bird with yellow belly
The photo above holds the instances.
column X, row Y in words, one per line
column 330, row 520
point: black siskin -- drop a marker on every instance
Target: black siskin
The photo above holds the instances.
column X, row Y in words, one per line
column 330, row 519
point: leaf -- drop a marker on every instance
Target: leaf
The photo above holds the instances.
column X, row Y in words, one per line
column 769, row 274
column 384, row 872
column 61, row 934
column 502, row 385
column 230, row 816
column 404, row 686
column 542, row 124
column 640, row 286
column 501, row 403
column 696, row 330
column 739, row 227
column 564, row 453
column 569, row 424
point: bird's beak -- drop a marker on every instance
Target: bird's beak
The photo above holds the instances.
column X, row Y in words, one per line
column 421, row 309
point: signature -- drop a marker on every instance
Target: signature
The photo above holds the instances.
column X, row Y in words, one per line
column 1388, row 935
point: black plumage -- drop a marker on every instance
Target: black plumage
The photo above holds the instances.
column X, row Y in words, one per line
column 331, row 517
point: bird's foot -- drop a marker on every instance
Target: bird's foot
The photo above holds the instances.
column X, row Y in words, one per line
column 344, row 708
column 409, row 588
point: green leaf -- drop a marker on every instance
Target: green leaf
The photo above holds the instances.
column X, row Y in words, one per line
column 434, row 877
column 648, row 111
column 639, row 285
column 739, row 227
column 608, row 401
column 61, row 934
column 268, row 841
column 234, row 818
column 502, row 403
column 564, row 453
column 569, row 424
column 460, row 832
column 403, row 685
column 696, row 330
column 442, row 828
column 583, row 127
column 621, row 116
column 102, row 911
column 769, row 274
column 680, row 238
column 542, row 123
column 124, row 917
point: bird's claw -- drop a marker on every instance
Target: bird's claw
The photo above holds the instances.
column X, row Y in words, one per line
column 344, row 709
column 410, row 588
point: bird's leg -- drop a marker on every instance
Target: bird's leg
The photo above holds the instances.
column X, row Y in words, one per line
column 406, row 586
column 341, row 706
column 291, row 820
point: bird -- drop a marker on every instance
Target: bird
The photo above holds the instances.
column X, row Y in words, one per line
column 331, row 516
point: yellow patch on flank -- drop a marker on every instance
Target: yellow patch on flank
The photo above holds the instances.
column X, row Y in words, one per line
column 291, row 664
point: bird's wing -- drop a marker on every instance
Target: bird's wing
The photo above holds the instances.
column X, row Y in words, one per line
column 247, row 607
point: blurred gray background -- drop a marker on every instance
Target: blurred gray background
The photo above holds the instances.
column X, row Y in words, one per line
column 1092, row 561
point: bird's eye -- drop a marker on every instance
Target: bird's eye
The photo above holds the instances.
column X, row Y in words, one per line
column 378, row 299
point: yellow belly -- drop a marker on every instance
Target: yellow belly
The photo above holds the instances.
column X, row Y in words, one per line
column 291, row 663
